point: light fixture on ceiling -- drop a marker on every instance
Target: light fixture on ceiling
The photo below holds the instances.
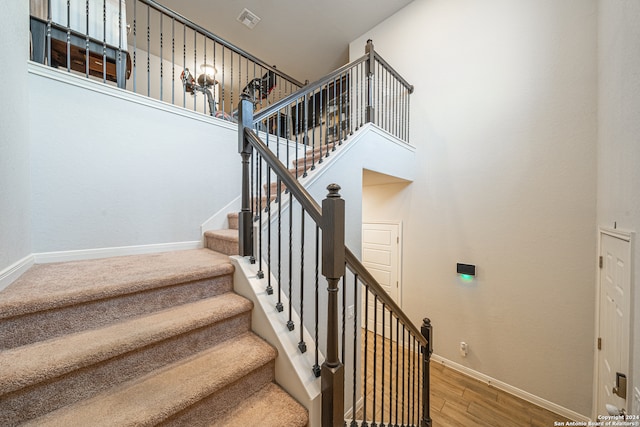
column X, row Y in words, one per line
column 248, row 18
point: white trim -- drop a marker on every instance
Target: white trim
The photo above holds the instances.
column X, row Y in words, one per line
column 15, row 270
column 626, row 236
column 84, row 254
column 99, row 87
column 531, row 398
column 618, row 234
column 219, row 219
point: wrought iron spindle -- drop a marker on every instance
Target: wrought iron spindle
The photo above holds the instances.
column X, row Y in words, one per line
column 104, row 41
column 290, row 324
column 375, row 359
column 173, row 60
column 382, row 380
column 365, row 374
column 148, row 51
column 302, row 346
column 69, row 37
column 316, row 366
column 355, row 353
column 397, row 376
column 279, row 305
column 87, row 46
column 161, row 56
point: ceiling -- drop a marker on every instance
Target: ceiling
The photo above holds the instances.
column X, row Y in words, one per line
column 303, row 38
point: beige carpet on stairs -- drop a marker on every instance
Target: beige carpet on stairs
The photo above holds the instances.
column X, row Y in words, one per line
column 171, row 345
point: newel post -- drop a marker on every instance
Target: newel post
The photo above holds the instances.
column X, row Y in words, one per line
column 245, row 121
column 369, row 70
column 427, row 331
column 333, row 268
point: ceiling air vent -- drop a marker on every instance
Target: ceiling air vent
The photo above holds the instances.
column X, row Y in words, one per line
column 249, row 18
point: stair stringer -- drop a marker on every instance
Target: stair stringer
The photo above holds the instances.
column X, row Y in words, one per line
column 293, row 369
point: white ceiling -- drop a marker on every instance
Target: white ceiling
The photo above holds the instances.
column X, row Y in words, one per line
column 303, row 38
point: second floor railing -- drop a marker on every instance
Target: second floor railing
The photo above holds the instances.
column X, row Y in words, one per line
column 146, row 48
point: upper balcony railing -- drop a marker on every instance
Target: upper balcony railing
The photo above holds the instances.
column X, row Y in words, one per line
column 144, row 47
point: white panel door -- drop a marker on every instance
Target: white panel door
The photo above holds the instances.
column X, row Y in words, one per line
column 381, row 256
column 613, row 318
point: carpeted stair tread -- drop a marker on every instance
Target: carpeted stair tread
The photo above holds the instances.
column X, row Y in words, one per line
column 225, row 241
column 48, row 286
column 224, row 234
column 272, row 406
column 157, row 396
column 34, row 363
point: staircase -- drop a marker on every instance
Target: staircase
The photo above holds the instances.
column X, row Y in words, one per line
column 156, row 339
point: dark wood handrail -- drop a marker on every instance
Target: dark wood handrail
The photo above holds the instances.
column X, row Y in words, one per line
column 313, row 209
column 309, row 88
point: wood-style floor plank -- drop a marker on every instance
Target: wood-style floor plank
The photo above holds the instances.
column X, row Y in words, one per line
column 457, row 400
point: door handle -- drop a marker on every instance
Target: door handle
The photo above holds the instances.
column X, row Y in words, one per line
column 621, row 385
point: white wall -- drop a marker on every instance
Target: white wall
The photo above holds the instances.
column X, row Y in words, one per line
column 504, row 122
column 15, row 211
column 619, row 136
column 108, row 172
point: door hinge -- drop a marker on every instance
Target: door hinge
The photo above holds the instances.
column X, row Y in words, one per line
column 599, row 343
column 600, row 261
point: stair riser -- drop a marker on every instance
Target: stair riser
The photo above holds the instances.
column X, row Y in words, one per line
column 30, row 328
column 228, row 247
column 36, row 400
column 207, row 411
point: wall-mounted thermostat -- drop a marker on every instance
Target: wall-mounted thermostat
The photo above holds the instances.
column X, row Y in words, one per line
column 466, row 269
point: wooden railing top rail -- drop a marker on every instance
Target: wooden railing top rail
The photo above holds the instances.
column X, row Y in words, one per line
column 313, row 209
column 273, row 108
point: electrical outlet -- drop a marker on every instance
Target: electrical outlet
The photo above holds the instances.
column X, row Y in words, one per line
column 464, row 349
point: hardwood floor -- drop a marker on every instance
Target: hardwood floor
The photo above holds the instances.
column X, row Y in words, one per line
column 456, row 399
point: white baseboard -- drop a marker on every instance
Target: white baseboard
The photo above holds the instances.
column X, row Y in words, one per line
column 83, row 254
column 543, row 403
column 15, row 270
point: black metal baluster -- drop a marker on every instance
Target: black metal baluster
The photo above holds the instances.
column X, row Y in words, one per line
column 173, row 61
column 323, row 125
column 148, row 51
column 104, row 41
column 384, row 328
column 161, row 57
column 397, row 364
column 414, row 390
column 290, row 324
column 69, row 37
column 366, row 356
column 195, row 51
column 305, row 139
column 279, row 305
column 390, row 366
column 223, row 93
column 268, row 210
column 375, row 357
column 302, row 345
column 260, row 273
column 404, row 373
column 184, row 61
column 355, row 353
column 316, row 367
column 344, row 317
column 231, row 73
